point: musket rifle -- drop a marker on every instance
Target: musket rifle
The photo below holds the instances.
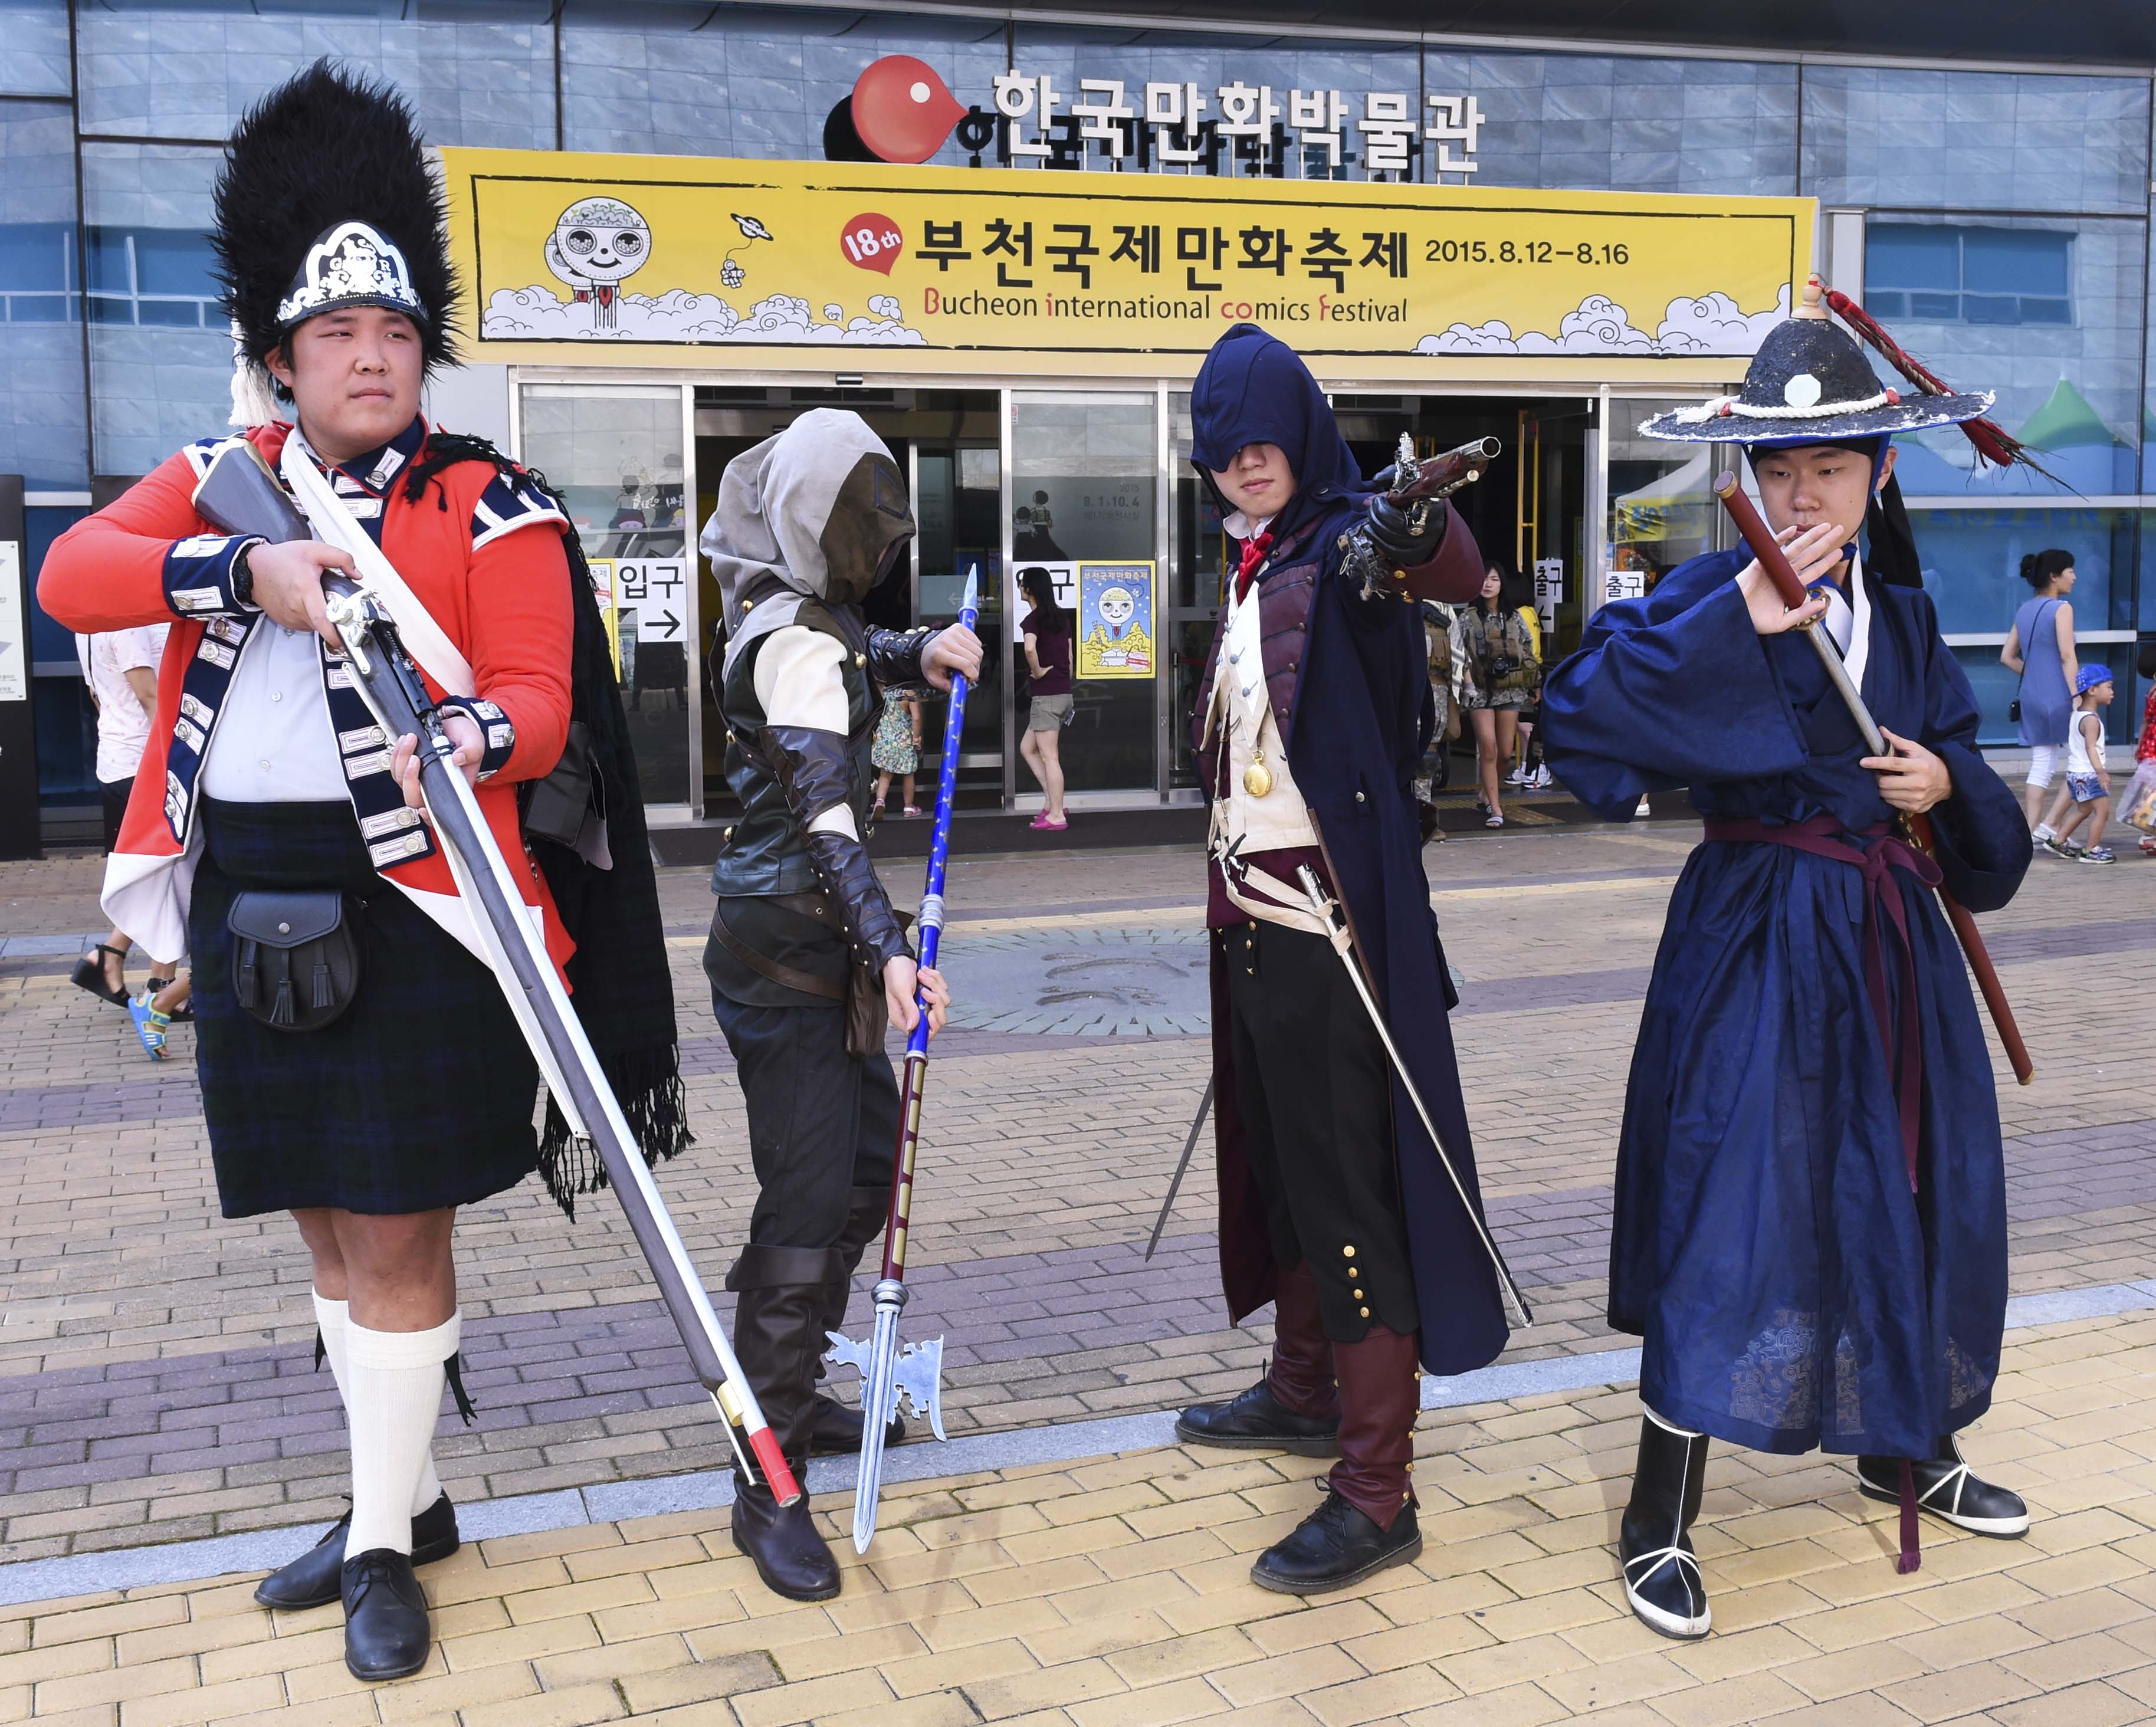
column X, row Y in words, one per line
column 240, row 494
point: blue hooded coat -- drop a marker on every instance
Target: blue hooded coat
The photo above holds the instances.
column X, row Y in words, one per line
column 1352, row 698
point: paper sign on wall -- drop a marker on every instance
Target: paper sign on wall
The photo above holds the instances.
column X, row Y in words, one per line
column 1116, row 620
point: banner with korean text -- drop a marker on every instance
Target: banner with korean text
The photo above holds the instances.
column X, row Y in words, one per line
column 839, row 268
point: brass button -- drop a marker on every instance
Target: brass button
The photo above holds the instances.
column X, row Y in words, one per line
column 861, row 659
column 1366, row 1313
column 1348, row 1253
column 1360, row 1296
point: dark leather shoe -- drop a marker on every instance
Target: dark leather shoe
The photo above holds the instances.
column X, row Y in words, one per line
column 790, row 1555
column 837, row 1429
column 312, row 1580
column 1257, row 1421
column 1334, row 1546
column 1948, row 1489
column 387, row 1634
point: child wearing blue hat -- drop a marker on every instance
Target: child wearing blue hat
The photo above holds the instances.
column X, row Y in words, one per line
column 2088, row 786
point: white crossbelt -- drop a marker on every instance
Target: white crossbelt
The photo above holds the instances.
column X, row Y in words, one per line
column 334, row 524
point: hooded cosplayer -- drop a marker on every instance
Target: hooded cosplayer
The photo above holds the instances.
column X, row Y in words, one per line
column 1810, row 1229
column 1311, row 719
column 357, row 1060
column 808, row 522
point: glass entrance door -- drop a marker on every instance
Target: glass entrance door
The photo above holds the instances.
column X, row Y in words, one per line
column 617, row 452
column 1084, row 473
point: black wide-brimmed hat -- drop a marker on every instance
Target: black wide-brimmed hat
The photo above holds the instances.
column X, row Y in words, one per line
column 1810, row 383
column 326, row 200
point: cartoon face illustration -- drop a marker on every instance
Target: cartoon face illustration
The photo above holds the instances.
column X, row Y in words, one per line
column 1117, row 609
column 597, row 244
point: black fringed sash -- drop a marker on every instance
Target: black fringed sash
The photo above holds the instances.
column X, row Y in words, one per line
column 618, row 978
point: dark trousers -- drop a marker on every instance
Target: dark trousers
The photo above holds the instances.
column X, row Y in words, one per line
column 1314, row 1092
column 821, row 1122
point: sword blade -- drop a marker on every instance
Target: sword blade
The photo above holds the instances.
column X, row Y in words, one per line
column 1508, row 1291
column 1183, row 1164
column 877, row 1395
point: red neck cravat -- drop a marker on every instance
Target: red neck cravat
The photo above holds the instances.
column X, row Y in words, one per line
column 1253, row 554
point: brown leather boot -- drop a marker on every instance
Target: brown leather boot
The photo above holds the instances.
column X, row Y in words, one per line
column 1295, row 1407
column 778, row 1335
column 838, row 1426
column 1367, row 1521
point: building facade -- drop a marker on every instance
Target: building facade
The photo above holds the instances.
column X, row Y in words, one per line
column 1996, row 217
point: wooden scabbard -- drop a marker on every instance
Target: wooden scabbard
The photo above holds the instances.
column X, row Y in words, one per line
column 1760, row 538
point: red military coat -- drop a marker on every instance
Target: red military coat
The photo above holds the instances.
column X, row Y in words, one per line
column 481, row 552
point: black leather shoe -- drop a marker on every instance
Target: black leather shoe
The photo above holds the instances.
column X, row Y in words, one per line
column 387, row 1633
column 1948, row 1489
column 790, row 1555
column 1256, row 1420
column 838, row 1429
column 312, row 1580
column 1335, row 1545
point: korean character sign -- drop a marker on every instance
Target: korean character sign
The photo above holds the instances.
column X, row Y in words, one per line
column 1388, row 127
column 1455, row 120
column 1115, row 625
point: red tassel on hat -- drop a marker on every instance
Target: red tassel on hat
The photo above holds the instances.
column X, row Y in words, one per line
column 1994, row 443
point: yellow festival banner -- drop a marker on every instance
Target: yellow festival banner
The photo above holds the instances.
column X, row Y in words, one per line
column 824, row 267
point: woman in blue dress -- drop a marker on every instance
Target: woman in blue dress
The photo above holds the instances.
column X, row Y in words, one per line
column 2039, row 648
column 1810, row 1230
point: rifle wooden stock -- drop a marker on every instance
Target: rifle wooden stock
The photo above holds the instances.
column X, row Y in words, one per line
column 1790, row 588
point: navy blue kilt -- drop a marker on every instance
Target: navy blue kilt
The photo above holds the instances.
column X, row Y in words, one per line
column 422, row 1095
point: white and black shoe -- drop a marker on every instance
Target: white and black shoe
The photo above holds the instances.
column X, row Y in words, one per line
column 1662, row 1578
column 1949, row 1490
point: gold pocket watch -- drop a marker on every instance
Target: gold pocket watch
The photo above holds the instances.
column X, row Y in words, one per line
column 1257, row 777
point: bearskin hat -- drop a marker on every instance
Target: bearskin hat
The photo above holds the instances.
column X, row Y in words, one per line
column 327, row 200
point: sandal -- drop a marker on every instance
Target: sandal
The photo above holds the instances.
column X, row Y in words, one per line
column 913, row 810
column 182, row 1015
column 1042, row 822
column 149, row 1025
column 1495, row 821
column 90, row 975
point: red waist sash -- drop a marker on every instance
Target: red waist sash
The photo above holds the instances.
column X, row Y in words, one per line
column 1878, row 852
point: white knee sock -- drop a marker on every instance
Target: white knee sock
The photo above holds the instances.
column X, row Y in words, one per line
column 394, row 1398
column 331, row 1317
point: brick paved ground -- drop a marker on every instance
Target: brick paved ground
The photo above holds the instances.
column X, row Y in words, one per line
column 1115, row 1594
column 155, row 1359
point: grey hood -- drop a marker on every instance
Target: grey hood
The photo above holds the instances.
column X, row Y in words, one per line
column 812, row 512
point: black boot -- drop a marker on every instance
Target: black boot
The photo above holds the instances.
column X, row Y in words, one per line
column 837, row 1429
column 386, row 1631
column 1950, row 1490
column 313, row 1580
column 1661, row 1574
column 1367, row 1521
column 1334, row 1546
column 1295, row 1407
column 778, row 1334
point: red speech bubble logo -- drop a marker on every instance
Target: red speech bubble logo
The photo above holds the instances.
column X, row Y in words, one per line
column 871, row 242
column 903, row 109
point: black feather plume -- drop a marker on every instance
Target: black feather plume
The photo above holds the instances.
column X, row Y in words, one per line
column 328, row 145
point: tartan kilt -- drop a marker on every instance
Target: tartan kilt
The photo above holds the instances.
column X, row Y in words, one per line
column 421, row 1095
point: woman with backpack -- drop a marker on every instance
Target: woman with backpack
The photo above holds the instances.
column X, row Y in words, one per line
column 2041, row 647
column 1504, row 672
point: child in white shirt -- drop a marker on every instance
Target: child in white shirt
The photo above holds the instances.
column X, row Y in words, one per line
column 2088, row 785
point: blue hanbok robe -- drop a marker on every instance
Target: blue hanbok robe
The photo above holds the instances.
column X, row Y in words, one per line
column 1790, row 1289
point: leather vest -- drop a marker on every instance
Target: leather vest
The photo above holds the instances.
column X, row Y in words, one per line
column 1286, row 590
column 763, row 852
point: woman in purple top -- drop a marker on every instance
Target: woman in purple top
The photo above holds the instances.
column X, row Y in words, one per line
column 1047, row 629
column 2041, row 647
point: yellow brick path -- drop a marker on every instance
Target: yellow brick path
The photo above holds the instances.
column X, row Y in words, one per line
column 1116, row 1594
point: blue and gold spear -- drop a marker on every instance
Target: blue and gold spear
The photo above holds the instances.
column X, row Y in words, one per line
column 918, row 1371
